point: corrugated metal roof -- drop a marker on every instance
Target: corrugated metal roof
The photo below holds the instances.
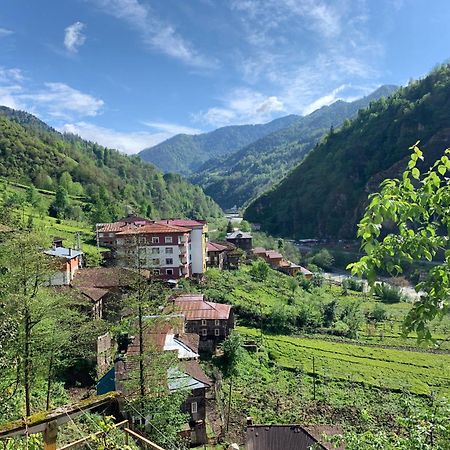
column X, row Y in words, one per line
column 62, row 252
column 216, row 247
column 198, row 310
column 289, row 437
column 239, row 235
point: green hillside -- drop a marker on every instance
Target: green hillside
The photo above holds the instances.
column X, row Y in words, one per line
column 185, row 153
column 242, row 176
column 107, row 180
column 326, row 194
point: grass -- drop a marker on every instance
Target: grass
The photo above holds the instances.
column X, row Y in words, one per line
column 420, row 373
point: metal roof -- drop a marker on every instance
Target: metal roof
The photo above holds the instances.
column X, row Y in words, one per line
column 62, row 252
column 239, row 235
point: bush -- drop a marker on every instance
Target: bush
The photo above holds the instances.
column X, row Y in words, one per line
column 388, row 294
column 378, row 314
column 353, row 285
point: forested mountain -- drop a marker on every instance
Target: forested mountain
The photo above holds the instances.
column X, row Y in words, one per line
column 326, row 194
column 33, row 153
column 185, row 153
column 242, row 176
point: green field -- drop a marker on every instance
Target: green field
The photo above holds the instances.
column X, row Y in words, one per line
column 416, row 372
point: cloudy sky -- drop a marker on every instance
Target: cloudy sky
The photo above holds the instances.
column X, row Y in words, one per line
column 130, row 73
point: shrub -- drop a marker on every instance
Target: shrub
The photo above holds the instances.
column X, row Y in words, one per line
column 388, row 294
column 324, row 259
column 353, row 285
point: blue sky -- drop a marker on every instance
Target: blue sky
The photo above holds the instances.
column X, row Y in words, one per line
column 130, row 73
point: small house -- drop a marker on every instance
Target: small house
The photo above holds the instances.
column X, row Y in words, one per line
column 241, row 239
column 69, row 262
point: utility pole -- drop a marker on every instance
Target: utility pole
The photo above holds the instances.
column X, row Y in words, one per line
column 314, row 377
column 229, row 402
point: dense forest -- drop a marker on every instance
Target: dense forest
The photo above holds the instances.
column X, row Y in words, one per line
column 326, row 194
column 107, row 181
column 185, row 153
column 237, row 179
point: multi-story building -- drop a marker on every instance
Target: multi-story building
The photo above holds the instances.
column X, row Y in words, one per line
column 198, row 239
column 163, row 249
column 108, row 233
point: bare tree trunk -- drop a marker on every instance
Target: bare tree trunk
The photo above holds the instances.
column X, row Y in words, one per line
column 49, row 382
column 27, row 362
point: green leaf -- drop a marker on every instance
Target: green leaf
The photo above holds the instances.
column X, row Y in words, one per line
column 415, row 173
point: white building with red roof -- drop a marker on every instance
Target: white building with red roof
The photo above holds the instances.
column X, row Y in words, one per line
column 163, row 249
column 198, row 238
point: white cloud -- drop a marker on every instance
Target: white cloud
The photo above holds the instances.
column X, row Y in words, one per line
column 56, row 100
column 156, row 33
column 74, row 37
column 5, row 32
column 325, row 100
column 127, row 142
column 63, row 101
column 241, row 106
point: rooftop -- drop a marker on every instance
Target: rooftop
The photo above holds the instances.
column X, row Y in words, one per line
column 239, row 235
column 216, row 247
column 103, row 277
column 195, row 307
column 190, row 223
column 62, row 252
column 154, row 228
column 290, row 437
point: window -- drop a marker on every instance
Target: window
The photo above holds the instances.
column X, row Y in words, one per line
column 155, row 250
column 169, row 250
column 204, row 332
column 169, row 261
column 216, row 322
column 216, row 332
column 156, row 272
column 155, row 240
column 168, row 239
column 169, row 271
column 204, row 322
column 193, row 407
column 155, row 261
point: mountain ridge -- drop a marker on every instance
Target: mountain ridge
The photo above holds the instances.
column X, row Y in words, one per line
column 34, row 153
column 236, row 179
column 325, row 195
column 185, row 153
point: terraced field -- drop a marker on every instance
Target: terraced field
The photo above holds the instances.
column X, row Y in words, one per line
column 417, row 372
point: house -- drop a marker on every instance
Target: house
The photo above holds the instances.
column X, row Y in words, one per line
column 290, row 437
column 233, row 255
column 69, row 261
column 162, row 334
column 163, row 249
column 278, row 262
column 241, row 239
column 104, row 287
column 216, row 254
column 213, row 322
column 198, row 230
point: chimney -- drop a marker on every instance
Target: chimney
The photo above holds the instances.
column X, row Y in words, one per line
column 70, row 252
column 249, row 421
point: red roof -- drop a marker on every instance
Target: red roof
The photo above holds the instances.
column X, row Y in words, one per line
column 183, row 222
column 154, row 228
column 215, row 247
column 259, row 250
column 115, row 227
column 195, row 307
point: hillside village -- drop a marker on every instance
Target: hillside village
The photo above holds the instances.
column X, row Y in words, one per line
column 224, row 225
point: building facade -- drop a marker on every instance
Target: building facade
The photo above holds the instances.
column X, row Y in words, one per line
column 163, row 249
column 198, row 240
